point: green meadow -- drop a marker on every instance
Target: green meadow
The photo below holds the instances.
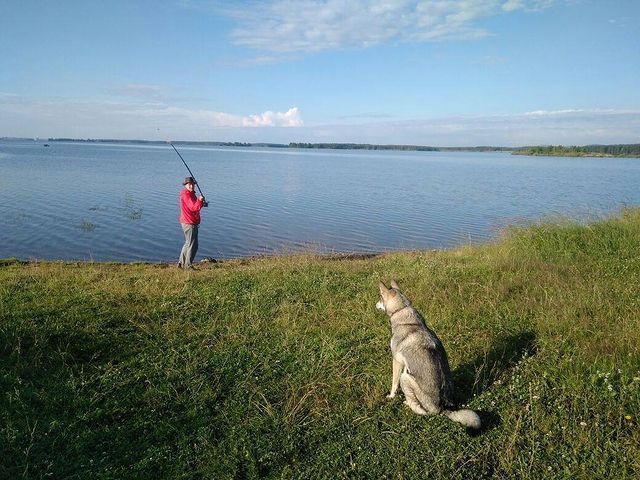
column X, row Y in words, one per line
column 278, row 367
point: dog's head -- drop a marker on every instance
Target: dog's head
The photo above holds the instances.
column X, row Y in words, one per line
column 391, row 299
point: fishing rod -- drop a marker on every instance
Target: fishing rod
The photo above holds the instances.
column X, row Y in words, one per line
column 204, row 203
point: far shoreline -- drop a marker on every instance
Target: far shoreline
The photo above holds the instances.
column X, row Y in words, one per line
column 593, row 150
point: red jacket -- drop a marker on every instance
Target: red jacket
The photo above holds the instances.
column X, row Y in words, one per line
column 189, row 207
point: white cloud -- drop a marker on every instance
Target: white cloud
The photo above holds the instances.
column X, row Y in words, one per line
column 25, row 117
column 541, row 113
column 578, row 112
column 286, row 26
column 511, row 5
column 290, row 118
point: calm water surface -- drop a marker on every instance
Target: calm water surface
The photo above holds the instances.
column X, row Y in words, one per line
column 120, row 201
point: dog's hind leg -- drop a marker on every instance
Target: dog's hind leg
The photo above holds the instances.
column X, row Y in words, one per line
column 410, row 388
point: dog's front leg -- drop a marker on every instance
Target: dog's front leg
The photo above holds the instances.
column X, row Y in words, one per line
column 395, row 382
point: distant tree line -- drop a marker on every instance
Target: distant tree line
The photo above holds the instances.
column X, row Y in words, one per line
column 618, row 150
column 418, row 148
column 362, row 146
column 628, row 150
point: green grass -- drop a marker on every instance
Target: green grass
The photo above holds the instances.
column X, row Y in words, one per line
column 279, row 367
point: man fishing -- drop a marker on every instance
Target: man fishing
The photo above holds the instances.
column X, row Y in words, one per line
column 190, row 207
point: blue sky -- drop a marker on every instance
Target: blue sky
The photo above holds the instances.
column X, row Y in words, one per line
column 467, row 72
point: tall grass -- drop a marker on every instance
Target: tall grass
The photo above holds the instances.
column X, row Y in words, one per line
column 278, row 367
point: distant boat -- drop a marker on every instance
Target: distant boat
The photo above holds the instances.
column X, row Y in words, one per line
column 46, row 144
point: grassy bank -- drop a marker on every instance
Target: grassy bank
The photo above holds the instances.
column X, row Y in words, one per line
column 279, row 367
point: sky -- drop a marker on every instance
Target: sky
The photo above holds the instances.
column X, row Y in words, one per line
column 431, row 72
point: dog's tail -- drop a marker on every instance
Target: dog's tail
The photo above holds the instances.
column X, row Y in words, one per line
column 468, row 418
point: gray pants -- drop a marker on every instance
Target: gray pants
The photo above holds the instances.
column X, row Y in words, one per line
column 190, row 247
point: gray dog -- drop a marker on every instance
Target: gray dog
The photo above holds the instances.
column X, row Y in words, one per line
column 420, row 364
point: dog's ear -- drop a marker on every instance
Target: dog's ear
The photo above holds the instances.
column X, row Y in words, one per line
column 394, row 285
column 386, row 292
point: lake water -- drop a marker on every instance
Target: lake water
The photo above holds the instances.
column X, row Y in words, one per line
column 120, row 201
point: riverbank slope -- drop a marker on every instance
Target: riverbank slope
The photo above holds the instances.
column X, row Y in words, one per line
column 279, row 367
